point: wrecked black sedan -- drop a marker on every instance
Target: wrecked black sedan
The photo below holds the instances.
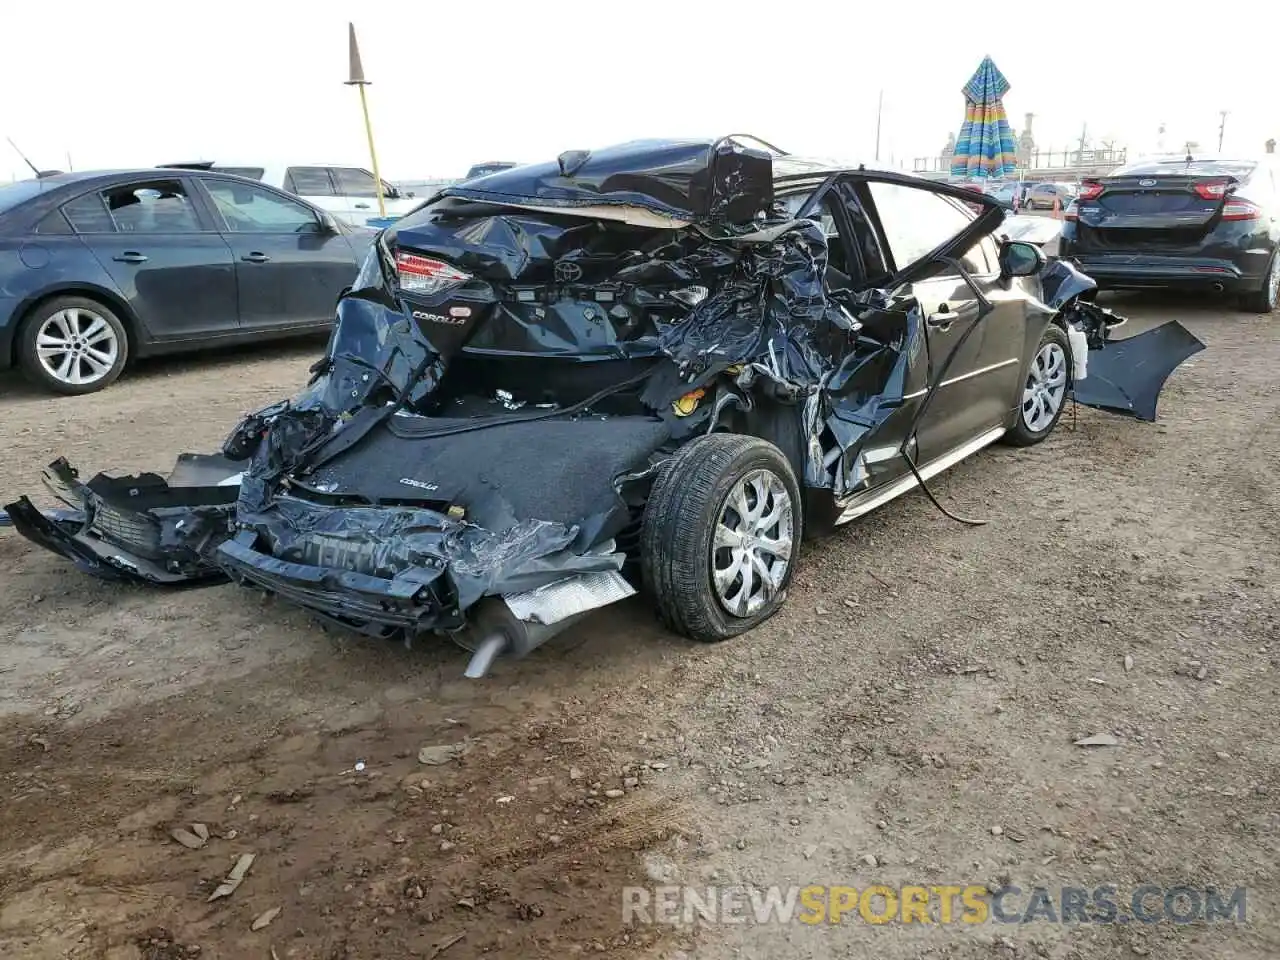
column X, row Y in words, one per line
column 659, row 365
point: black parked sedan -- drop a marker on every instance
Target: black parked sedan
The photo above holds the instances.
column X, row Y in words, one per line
column 96, row 268
column 1208, row 224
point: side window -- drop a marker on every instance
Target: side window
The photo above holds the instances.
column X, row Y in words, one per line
column 916, row 221
column 309, row 181
column 161, row 206
column 352, row 182
column 248, row 209
column 88, row 214
column 53, row 223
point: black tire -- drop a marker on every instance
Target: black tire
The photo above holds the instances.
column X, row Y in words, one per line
column 1022, row 434
column 680, row 523
column 1263, row 300
column 86, row 311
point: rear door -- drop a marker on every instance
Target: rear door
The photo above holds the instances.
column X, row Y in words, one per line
column 290, row 267
column 164, row 254
column 972, row 362
column 1153, row 207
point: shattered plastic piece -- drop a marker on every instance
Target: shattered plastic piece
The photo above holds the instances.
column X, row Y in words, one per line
column 1098, row 740
column 263, row 919
column 188, row 839
column 234, row 878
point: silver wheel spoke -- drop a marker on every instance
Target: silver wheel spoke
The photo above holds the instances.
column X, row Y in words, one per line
column 65, row 367
column 98, row 362
column 726, row 538
column 65, row 321
column 97, row 330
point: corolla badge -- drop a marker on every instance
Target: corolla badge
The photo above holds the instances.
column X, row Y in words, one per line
column 566, row 271
column 1146, row 183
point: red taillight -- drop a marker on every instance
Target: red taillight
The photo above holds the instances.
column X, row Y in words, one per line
column 419, row 274
column 1090, row 190
column 1071, row 213
column 1238, row 208
column 1211, row 189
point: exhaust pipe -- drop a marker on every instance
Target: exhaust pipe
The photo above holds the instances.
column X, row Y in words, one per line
column 1218, row 287
column 504, row 634
column 485, row 654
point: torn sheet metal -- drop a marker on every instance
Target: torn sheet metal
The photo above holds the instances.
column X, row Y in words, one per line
column 567, row 598
column 695, row 180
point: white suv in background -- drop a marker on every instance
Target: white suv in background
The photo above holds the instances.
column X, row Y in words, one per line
column 346, row 192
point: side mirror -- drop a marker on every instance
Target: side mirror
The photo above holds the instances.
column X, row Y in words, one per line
column 1021, row 259
column 326, row 224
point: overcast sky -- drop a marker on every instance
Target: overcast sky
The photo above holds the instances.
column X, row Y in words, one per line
column 456, row 83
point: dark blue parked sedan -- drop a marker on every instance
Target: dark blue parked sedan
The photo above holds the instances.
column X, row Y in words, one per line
column 96, row 268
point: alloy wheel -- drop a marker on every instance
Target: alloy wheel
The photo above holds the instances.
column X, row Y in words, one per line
column 77, row 346
column 1046, row 387
column 754, row 540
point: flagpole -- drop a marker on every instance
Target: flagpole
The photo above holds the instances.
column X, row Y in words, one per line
column 357, row 80
column 879, row 111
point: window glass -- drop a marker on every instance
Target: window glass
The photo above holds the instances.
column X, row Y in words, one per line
column 88, row 214
column 916, row 221
column 249, row 209
column 160, row 206
column 53, row 223
column 309, row 181
column 354, row 183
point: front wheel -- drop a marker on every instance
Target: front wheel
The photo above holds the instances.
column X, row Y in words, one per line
column 721, row 535
column 1044, row 393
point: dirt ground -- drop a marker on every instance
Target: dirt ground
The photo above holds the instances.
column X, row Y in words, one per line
column 909, row 718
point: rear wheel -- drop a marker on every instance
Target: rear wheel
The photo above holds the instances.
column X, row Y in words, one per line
column 721, row 535
column 1263, row 300
column 1044, row 393
column 72, row 345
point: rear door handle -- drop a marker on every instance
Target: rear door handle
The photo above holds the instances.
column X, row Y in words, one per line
column 130, row 256
column 362, row 206
column 255, row 257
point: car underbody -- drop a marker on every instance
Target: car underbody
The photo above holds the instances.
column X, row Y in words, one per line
column 511, row 378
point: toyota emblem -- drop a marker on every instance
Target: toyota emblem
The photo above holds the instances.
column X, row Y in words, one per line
column 567, row 271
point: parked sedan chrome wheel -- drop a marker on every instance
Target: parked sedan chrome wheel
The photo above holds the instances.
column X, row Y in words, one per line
column 721, row 535
column 1044, row 392
column 1264, row 299
column 72, row 345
